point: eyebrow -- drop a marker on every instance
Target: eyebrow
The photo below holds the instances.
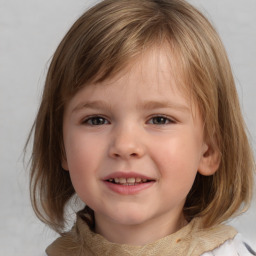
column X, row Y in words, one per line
column 92, row 105
column 165, row 104
column 149, row 105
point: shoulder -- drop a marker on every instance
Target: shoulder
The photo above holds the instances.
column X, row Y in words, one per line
column 232, row 247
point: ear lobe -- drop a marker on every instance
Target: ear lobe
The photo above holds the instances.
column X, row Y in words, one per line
column 64, row 164
column 210, row 160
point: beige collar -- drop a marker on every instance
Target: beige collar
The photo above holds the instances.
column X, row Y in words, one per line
column 190, row 240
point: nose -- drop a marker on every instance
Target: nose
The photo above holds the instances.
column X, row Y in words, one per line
column 126, row 143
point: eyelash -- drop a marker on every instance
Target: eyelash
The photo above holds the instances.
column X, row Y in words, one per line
column 161, row 120
column 90, row 120
column 167, row 120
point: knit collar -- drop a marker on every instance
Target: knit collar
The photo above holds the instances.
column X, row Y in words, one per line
column 190, row 240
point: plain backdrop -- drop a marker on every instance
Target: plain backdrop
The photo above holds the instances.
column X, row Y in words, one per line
column 30, row 31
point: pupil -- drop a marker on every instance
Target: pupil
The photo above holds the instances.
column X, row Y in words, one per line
column 159, row 120
column 97, row 121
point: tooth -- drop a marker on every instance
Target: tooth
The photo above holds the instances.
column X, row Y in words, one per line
column 131, row 180
column 110, row 180
column 116, row 180
column 138, row 180
column 122, row 180
column 144, row 180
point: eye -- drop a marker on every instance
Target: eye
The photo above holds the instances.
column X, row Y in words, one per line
column 160, row 120
column 95, row 120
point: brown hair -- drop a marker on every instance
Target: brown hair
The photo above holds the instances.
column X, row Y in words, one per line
column 101, row 43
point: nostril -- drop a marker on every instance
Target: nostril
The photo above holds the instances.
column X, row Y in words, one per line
column 125, row 151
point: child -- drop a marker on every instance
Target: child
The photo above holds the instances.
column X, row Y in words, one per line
column 140, row 119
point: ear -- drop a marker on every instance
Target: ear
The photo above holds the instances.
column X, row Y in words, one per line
column 64, row 163
column 210, row 160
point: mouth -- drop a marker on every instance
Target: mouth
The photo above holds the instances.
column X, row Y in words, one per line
column 128, row 183
column 132, row 181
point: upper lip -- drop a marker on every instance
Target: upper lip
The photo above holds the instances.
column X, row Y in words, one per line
column 127, row 175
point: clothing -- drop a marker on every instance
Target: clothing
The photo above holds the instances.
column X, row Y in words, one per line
column 232, row 247
column 188, row 241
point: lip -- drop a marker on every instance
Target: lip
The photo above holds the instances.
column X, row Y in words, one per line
column 126, row 175
column 128, row 189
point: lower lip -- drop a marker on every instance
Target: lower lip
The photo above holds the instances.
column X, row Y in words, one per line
column 128, row 190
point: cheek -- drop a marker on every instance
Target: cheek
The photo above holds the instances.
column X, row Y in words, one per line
column 82, row 165
column 81, row 155
column 178, row 160
column 178, row 152
column 80, row 149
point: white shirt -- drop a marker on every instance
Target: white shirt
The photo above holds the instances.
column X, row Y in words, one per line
column 232, row 247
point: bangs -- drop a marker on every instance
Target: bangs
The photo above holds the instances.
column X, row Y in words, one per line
column 97, row 51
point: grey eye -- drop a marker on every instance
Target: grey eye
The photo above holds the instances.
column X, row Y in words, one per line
column 97, row 120
column 159, row 120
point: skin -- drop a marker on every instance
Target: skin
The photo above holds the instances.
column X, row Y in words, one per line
column 138, row 121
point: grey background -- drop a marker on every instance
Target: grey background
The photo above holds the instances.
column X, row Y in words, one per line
column 30, row 31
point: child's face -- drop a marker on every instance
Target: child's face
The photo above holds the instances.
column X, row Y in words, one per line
column 137, row 129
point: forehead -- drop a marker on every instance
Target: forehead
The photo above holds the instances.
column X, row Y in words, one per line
column 160, row 70
column 155, row 66
column 154, row 74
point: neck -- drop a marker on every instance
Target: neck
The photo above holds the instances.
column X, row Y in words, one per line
column 139, row 234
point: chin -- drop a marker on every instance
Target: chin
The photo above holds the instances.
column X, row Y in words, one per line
column 130, row 218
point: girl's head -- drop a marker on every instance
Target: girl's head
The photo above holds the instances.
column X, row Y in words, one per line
column 102, row 46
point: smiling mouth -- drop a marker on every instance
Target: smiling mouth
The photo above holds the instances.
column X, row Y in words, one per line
column 128, row 181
